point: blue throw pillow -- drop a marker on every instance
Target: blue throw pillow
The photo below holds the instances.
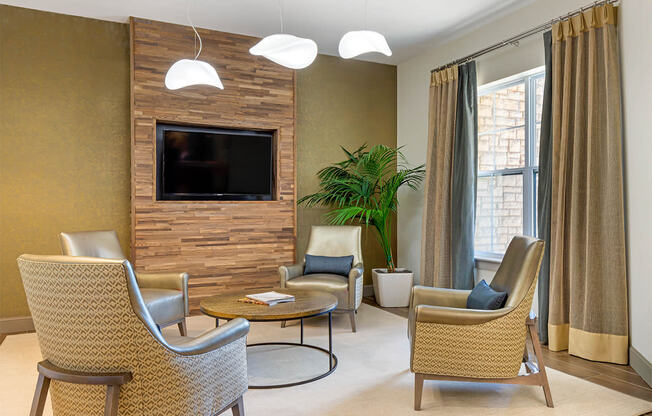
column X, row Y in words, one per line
column 332, row 265
column 484, row 297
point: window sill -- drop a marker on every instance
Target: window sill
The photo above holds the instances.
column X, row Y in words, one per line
column 497, row 259
column 488, row 262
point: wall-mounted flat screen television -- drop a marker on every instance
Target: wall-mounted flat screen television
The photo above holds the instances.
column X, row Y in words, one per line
column 199, row 163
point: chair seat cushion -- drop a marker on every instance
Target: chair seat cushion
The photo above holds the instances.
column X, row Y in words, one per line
column 485, row 297
column 331, row 283
column 164, row 305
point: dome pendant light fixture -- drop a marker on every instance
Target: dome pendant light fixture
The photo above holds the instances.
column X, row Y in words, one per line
column 287, row 50
column 187, row 72
column 357, row 42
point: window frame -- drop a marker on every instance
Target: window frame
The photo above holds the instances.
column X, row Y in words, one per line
column 531, row 169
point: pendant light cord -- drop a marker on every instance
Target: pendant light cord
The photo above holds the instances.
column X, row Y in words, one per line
column 195, row 30
column 366, row 26
column 280, row 12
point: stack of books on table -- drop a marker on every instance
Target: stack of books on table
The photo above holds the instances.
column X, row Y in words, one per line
column 268, row 298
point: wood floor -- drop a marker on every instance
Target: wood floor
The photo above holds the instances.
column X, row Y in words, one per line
column 621, row 378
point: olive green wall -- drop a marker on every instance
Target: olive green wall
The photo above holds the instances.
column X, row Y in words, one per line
column 64, row 126
column 65, row 138
column 341, row 103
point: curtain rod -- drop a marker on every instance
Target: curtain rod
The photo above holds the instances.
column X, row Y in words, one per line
column 514, row 39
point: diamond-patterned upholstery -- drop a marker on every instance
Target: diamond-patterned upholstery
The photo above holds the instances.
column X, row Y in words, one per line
column 453, row 341
column 165, row 294
column 89, row 316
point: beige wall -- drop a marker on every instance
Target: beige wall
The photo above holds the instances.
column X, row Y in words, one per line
column 64, row 126
column 636, row 59
column 341, row 103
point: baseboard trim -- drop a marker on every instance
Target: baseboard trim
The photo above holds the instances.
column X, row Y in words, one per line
column 16, row 324
column 368, row 290
column 641, row 365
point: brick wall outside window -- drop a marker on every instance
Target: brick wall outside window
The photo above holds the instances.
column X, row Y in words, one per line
column 502, row 133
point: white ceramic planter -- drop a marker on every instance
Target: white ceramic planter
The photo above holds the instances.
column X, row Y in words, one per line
column 392, row 290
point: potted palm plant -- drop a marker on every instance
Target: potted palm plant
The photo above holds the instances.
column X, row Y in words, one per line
column 363, row 189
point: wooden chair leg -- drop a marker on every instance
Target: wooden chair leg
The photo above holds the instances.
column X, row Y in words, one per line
column 111, row 402
column 40, row 394
column 352, row 316
column 238, row 408
column 48, row 371
column 183, row 330
column 418, row 390
column 282, row 324
column 526, row 358
column 542, row 367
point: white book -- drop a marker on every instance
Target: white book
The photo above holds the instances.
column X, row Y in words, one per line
column 271, row 298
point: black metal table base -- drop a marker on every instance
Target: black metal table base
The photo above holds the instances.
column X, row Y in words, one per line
column 332, row 358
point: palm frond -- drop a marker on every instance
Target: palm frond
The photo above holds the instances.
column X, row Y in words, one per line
column 363, row 188
column 345, row 215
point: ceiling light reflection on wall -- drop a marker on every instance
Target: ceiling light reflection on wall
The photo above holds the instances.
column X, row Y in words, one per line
column 357, row 42
column 287, row 50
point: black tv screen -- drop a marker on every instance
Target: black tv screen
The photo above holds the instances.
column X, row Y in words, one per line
column 197, row 163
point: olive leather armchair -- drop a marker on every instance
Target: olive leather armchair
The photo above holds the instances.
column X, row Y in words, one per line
column 103, row 353
column 332, row 241
column 453, row 343
column 165, row 294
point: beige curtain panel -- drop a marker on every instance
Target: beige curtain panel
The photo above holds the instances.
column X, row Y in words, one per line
column 588, row 283
column 436, row 229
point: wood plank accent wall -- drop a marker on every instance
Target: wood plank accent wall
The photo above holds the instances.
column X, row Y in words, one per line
column 222, row 245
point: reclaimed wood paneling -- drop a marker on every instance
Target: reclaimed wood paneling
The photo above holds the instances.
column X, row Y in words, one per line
column 222, row 245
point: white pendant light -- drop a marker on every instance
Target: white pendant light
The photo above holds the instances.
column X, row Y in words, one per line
column 287, row 50
column 357, row 42
column 187, row 72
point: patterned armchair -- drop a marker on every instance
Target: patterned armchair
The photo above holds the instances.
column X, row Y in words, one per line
column 92, row 322
column 165, row 294
column 450, row 342
column 332, row 241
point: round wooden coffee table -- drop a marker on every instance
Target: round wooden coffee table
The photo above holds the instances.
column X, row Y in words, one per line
column 307, row 304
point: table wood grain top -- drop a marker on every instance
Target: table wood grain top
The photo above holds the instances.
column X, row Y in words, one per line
column 307, row 303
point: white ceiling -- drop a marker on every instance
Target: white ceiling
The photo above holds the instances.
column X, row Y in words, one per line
column 408, row 25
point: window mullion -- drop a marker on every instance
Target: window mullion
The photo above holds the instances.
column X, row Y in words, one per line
column 502, row 172
column 501, row 130
column 527, row 183
column 492, row 185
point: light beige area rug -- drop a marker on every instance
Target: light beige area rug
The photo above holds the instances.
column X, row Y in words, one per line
column 372, row 377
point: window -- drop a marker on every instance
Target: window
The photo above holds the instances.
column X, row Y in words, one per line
column 509, row 121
